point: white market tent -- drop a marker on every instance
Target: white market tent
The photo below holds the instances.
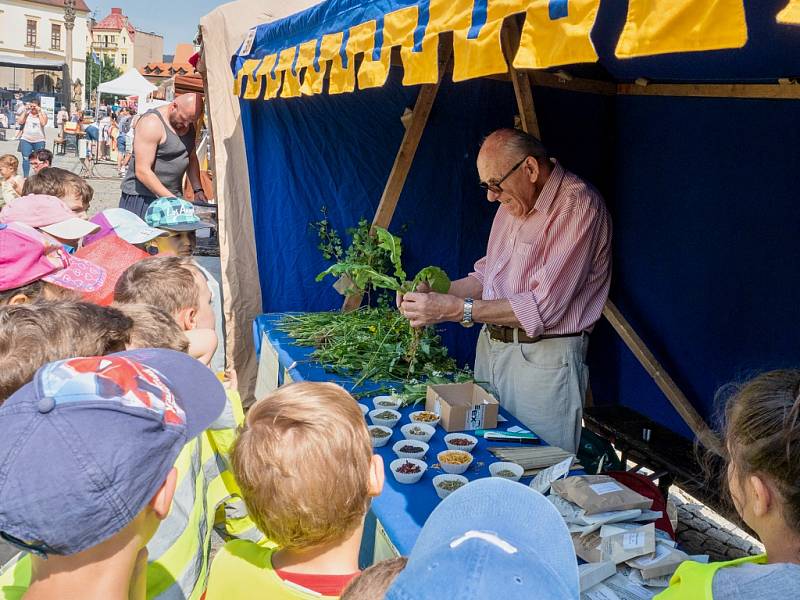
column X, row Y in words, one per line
column 132, row 83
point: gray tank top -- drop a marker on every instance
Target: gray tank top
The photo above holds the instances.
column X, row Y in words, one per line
column 172, row 160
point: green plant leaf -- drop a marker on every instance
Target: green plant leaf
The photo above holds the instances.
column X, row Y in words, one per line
column 435, row 277
column 391, row 243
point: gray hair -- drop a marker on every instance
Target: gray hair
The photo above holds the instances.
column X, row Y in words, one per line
column 517, row 144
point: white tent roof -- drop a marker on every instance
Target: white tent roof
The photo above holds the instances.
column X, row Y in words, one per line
column 129, row 84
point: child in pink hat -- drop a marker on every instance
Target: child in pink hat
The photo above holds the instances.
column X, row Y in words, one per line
column 33, row 267
column 50, row 215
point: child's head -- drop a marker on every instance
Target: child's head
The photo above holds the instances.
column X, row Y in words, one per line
column 9, row 164
column 40, row 159
column 153, row 327
column 171, row 283
column 66, row 185
column 305, row 465
column 32, row 335
column 87, row 491
column 178, row 218
column 49, row 214
column 373, row 581
column 33, row 267
column 762, row 438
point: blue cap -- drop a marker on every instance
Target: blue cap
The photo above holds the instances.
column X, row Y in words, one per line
column 174, row 214
column 89, row 441
column 492, row 538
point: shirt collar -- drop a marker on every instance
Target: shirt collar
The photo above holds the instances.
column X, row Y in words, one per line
column 550, row 189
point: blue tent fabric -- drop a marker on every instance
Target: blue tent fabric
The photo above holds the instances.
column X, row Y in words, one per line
column 702, row 192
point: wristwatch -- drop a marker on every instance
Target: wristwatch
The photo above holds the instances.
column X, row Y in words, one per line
column 466, row 320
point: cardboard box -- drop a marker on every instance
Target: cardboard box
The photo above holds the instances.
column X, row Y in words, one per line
column 462, row 406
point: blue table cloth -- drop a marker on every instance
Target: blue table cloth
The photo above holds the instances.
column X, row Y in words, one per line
column 402, row 508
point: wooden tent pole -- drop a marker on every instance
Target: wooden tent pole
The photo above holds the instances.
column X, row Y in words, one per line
column 404, row 159
column 522, row 90
column 520, row 80
column 662, row 379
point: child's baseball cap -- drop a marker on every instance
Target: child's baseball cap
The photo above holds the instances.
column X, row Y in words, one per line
column 492, row 538
column 124, row 224
column 89, row 441
column 173, row 214
column 49, row 214
column 27, row 256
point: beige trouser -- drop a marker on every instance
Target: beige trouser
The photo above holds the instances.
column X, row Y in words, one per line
column 542, row 384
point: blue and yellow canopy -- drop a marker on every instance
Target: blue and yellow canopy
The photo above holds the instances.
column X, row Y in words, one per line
column 291, row 57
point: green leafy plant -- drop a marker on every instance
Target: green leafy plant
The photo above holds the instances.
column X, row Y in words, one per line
column 365, row 274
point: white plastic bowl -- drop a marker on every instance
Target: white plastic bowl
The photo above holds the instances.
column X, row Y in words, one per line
column 495, row 468
column 379, row 442
column 429, row 431
column 420, row 455
column 385, row 422
column 413, row 417
column 390, row 402
column 408, row 477
column 364, row 408
column 445, row 493
column 473, row 441
column 451, row 468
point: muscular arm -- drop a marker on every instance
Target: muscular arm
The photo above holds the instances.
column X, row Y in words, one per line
column 193, row 172
column 148, row 135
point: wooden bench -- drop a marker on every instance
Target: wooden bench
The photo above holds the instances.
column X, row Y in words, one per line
column 671, row 457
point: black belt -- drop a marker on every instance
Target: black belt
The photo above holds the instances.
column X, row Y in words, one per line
column 502, row 333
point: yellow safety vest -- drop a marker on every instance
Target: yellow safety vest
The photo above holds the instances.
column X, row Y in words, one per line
column 206, row 498
column 694, row 580
column 243, row 570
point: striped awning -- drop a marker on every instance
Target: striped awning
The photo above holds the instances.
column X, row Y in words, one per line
column 293, row 57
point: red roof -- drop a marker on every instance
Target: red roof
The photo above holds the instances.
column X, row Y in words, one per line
column 115, row 21
column 80, row 5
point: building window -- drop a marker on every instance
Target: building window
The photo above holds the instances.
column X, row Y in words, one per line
column 124, row 58
column 55, row 37
column 30, row 36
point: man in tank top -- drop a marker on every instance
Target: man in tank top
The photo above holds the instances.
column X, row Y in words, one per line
column 163, row 151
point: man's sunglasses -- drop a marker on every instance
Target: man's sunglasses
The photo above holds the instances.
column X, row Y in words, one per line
column 494, row 186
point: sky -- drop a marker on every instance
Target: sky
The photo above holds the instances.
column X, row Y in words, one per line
column 176, row 20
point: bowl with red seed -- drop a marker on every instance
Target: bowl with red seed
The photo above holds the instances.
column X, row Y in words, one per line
column 410, row 449
column 408, row 470
column 460, row 441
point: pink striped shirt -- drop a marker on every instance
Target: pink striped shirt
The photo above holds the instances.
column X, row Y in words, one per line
column 554, row 264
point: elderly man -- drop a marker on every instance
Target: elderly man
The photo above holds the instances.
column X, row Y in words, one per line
column 539, row 289
column 163, row 152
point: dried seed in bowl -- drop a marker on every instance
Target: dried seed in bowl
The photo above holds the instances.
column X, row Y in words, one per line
column 425, row 417
column 379, row 433
column 460, row 442
column 409, row 449
column 386, row 416
column 417, row 431
column 450, row 485
column 386, row 403
column 506, row 473
column 454, row 457
column 408, row 467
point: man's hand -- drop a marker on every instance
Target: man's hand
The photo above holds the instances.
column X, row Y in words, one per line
column 429, row 308
column 200, row 196
column 422, row 288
